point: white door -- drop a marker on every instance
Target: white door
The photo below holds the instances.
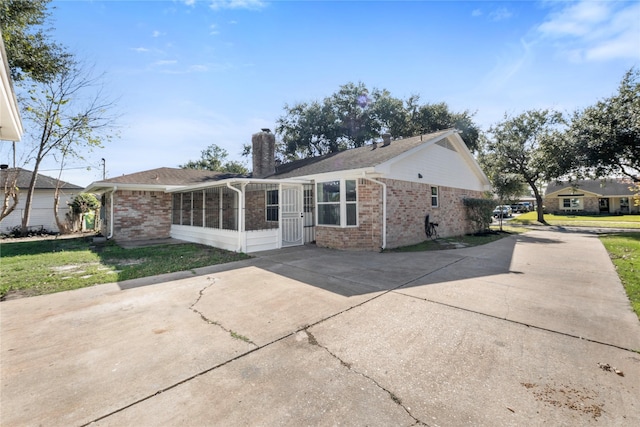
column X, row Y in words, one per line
column 292, row 220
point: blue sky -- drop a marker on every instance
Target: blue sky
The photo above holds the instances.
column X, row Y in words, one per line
column 191, row 73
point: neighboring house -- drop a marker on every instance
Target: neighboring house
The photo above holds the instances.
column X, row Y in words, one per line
column 366, row 198
column 607, row 196
column 42, row 216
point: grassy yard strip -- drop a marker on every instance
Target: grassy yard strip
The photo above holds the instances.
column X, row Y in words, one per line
column 624, row 250
column 47, row 266
column 602, row 221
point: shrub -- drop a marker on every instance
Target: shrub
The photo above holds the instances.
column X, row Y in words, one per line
column 479, row 212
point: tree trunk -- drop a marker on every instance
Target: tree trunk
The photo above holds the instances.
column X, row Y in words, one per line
column 29, row 199
column 11, row 193
column 63, row 228
column 539, row 207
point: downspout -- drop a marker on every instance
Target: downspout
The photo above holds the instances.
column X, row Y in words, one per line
column 240, row 216
column 384, row 210
column 115, row 188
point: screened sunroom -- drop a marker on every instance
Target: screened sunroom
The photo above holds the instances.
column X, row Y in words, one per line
column 244, row 215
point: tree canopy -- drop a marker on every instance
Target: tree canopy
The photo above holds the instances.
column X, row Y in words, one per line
column 530, row 146
column 355, row 115
column 30, row 51
column 214, row 158
column 68, row 114
column 607, row 134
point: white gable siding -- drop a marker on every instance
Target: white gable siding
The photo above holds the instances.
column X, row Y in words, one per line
column 438, row 166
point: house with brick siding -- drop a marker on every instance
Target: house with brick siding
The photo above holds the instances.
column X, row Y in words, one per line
column 368, row 198
column 605, row 196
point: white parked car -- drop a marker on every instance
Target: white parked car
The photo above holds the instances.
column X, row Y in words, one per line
column 502, row 210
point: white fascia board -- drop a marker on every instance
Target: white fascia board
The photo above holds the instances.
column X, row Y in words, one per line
column 345, row 174
column 10, row 121
column 103, row 187
column 231, row 181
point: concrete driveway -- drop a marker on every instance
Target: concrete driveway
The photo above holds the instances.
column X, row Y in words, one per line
column 524, row 331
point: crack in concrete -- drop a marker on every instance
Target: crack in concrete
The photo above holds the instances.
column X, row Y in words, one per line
column 313, row 341
column 528, row 325
column 233, row 334
column 240, row 356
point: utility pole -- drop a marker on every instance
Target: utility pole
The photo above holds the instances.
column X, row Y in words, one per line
column 104, row 169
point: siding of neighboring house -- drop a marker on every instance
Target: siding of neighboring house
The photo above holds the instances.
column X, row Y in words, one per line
column 139, row 215
column 41, row 211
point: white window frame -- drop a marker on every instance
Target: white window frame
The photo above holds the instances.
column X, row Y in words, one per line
column 342, row 203
column 435, row 197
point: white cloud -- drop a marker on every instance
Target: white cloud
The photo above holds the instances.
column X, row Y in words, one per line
column 500, row 14
column 213, row 30
column 595, row 31
column 140, row 49
column 476, row 12
column 156, row 33
column 237, row 4
column 164, row 62
column 198, row 68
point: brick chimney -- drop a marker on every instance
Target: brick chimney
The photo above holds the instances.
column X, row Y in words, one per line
column 386, row 139
column 264, row 153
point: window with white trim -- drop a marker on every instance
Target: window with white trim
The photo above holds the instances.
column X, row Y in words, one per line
column 337, row 203
column 272, row 205
column 434, row 197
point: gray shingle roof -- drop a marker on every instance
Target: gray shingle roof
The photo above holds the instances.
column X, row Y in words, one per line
column 355, row 158
column 171, row 176
column 604, row 187
column 43, row 182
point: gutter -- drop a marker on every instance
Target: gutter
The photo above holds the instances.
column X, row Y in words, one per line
column 384, row 210
column 115, row 188
column 240, row 215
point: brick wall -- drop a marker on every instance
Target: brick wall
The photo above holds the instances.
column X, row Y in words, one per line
column 368, row 234
column 141, row 215
column 407, row 205
column 255, row 211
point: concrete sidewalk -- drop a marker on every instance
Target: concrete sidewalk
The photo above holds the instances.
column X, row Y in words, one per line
column 517, row 332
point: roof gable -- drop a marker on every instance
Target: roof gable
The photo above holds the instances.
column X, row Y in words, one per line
column 604, row 187
column 356, row 158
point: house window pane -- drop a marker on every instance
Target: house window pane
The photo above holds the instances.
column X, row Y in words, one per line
column 352, row 214
column 272, row 205
column 566, row 203
column 329, row 191
column 434, row 197
column 350, row 186
column 329, row 214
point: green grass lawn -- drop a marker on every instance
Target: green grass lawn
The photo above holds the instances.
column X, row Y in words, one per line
column 624, row 250
column 46, row 266
column 602, row 221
